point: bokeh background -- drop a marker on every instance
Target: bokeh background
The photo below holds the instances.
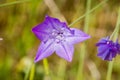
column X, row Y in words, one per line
column 19, row 45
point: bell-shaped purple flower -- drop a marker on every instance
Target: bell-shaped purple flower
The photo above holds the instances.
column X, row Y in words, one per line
column 57, row 37
column 107, row 49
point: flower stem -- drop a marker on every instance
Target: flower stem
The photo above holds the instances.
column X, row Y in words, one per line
column 61, row 69
column 114, row 36
column 27, row 72
column 83, row 46
column 32, row 72
column 15, row 2
column 116, row 30
column 46, row 66
column 88, row 12
column 109, row 72
column 87, row 15
column 81, row 63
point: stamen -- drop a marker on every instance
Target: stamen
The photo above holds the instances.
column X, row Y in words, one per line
column 108, row 42
column 58, row 36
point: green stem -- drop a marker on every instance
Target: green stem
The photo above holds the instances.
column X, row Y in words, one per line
column 32, row 72
column 116, row 30
column 61, row 69
column 15, row 2
column 27, row 73
column 83, row 47
column 114, row 36
column 81, row 63
column 88, row 12
column 46, row 66
column 87, row 15
column 109, row 72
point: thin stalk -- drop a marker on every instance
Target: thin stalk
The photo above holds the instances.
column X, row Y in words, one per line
column 81, row 63
column 61, row 69
column 116, row 30
column 87, row 15
column 46, row 66
column 83, row 47
column 114, row 36
column 27, row 73
column 32, row 72
column 12, row 3
column 109, row 72
column 88, row 12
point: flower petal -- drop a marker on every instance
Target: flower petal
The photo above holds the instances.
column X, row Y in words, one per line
column 55, row 23
column 117, row 46
column 43, row 30
column 103, row 41
column 102, row 49
column 78, row 36
column 45, row 50
column 43, row 36
column 104, row 55
column 110, row 56
column 65, row 50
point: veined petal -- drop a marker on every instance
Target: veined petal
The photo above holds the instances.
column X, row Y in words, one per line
column 43, row 36
column 118, row 47
column 58, row 25
column 78, row 36
column 44, row 26
column 103, row 56
column 103, row 41
column 45, row 50
column 43, row 30
column 65, row 50
column 110, row 56
column 102, row 49
column 55, row 23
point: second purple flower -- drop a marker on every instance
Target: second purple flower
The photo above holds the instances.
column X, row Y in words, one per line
column 107, row 49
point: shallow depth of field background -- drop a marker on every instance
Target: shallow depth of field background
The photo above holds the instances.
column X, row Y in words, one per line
column 19, row 45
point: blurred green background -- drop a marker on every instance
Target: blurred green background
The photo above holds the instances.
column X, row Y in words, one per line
column 19, row 45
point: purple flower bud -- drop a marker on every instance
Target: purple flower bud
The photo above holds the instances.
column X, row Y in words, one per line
column 107, row 49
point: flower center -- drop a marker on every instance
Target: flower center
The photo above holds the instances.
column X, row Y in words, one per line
column 58, row 36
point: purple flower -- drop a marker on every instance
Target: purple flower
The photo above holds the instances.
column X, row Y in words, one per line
column 107, row 49
column 118, row 46
column 57, row 37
